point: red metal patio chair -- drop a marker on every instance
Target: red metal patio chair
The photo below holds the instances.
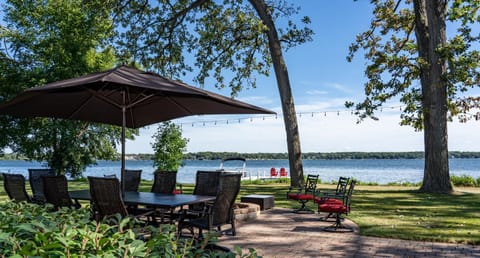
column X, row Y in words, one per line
column 305, row 193
column 338, row 209
column 336, row 196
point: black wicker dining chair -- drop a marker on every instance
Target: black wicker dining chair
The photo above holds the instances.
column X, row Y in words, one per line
column 14, row 185
column 36, row 183
column 56, row 192
column 219, row 213
column 206, row 183
column 106, row 197
column 107, row 203
column 132, row 179
column 164, row 182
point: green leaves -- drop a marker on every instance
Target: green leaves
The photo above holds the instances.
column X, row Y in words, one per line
column 30, row 230
column 46, row 41
column 223, row 38
column 168, row 147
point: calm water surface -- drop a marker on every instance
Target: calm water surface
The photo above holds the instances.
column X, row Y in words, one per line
column 381, row 171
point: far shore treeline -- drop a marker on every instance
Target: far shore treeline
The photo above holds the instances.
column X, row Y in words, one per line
column 306, row 156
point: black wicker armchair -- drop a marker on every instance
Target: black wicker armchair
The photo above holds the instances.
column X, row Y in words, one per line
column 14, row 185
column 106, row 197
column 164, row 182
column 221, row 211
column 36, row 183
column 132, row 180
column 56, row 192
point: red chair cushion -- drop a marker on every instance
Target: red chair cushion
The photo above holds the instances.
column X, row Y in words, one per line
column 296, row 196
column 331, row 207
column 322, row 200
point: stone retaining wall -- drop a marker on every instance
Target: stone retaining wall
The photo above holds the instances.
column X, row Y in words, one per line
column 246, row 211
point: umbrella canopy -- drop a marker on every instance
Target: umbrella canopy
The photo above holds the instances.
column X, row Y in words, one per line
column 122, row 96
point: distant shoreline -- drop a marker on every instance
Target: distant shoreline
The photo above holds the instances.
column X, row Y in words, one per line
column 279, row 156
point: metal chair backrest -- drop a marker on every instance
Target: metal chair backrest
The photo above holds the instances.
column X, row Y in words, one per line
column 228, row 188
column 348, row 196
column 164, row 182
column 56, row 191
column 342, row 185
column 36, row 183
column 14, row 185
column 132, row 179
column 106, row 196
column 311, row 184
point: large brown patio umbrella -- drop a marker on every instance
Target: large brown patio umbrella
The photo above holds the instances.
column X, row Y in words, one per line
column 123, row 96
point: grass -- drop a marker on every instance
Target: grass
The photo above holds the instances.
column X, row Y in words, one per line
column 385, row 211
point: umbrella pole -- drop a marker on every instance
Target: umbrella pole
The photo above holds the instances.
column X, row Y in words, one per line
column 123, row 150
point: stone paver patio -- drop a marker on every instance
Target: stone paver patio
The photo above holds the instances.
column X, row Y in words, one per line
column 280, row 233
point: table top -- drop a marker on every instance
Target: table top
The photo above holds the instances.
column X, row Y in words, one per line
column 259, row 196
column 151, row 199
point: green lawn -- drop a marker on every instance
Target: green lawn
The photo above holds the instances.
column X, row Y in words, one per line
column 387, row 211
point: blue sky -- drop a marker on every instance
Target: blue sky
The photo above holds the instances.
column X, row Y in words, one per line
column 322, row 80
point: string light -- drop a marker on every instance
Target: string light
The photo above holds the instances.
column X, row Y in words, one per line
column 465, row 116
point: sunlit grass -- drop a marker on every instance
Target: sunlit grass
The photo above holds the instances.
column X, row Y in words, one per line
column 384, row 211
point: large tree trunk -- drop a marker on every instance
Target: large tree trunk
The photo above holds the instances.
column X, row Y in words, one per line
column 283, row 82
column 431, row 34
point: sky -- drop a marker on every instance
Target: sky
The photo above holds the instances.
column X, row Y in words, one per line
column 321, row 80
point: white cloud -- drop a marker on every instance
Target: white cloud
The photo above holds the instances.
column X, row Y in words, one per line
column 316, row 92
column 339, row 87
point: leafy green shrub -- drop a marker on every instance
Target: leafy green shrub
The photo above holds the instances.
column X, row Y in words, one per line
column 463, row 180
column 30, row 230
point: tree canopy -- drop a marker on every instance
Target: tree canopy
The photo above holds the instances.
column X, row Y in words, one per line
column 46, row 41
column 226, row 39
column 411, row 59
column 394, row 67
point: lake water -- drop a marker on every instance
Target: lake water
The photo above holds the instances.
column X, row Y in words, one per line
column 381, row 171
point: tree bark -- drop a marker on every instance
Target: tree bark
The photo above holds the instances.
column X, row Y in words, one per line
column 283, row 83
column 430, row 30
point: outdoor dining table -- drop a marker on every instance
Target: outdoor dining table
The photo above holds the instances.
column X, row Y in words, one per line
column 165, row 201
column 156, row 200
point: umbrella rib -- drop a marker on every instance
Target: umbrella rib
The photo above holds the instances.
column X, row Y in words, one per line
column 79, row 108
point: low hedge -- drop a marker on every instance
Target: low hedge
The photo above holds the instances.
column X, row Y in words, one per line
column 31, row 230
